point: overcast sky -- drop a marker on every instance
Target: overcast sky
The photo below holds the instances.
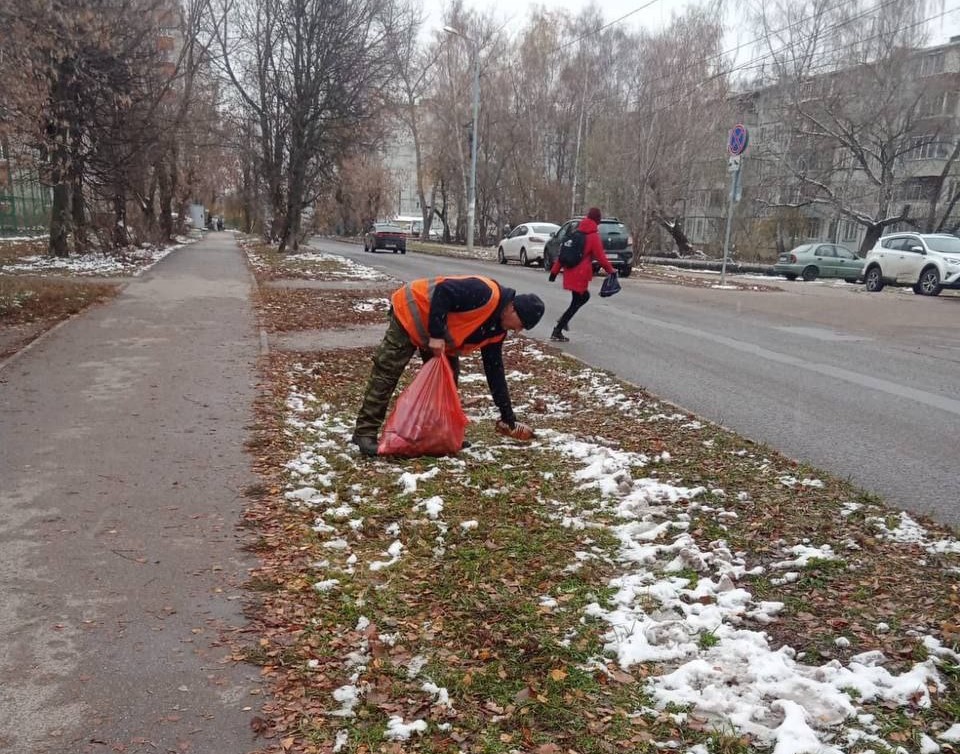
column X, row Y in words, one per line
column 655, row 14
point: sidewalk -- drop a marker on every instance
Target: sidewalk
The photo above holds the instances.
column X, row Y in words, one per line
column 121, row 479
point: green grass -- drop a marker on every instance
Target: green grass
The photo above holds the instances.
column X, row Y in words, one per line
column 29, row 299
column 520, row 674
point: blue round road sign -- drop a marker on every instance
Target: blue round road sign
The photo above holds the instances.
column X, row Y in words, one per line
column 739, row 138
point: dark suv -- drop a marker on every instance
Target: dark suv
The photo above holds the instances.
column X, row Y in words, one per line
column 616, row 243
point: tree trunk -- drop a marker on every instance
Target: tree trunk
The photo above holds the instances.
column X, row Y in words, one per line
column 781, row 246
column 426, row 212
column 675, row 228
column 165, row 190
column 59, row 220
column 59, row 167
column 120, row 239
column 78, row 206
column 293, row 211
column 870, row 238
column 290, row 237
column 148, row 206
column 248, row 194
column 79, row 212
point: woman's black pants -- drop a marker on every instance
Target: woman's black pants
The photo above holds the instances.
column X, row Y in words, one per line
column 577, row 300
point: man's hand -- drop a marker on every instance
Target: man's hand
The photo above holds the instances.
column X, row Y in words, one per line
column 553, row 276
column 519, row 431
column 437, row 345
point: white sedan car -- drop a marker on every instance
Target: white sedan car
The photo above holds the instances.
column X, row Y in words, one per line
column 525, row 243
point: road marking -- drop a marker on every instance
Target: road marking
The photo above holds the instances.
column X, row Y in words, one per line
column 821, row 333
column 939, row 402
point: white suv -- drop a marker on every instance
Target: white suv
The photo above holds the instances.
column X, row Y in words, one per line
column 929, row 262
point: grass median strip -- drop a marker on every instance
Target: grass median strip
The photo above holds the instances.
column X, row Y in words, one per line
column 635, row 579
column 288, row 309
column 27, row 299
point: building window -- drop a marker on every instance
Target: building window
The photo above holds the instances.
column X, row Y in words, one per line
column 696, row 229
column 931, row 64
column 849, row 231
column 951, row 189
column 911, row 191
column 931, row 105
column 813, row 227
column 927, row 148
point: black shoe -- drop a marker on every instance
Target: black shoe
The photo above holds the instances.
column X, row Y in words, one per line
column 466, row 444
column 558, row 336
column 367, row 445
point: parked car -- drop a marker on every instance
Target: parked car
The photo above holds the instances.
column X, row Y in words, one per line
column 820, row 260
column 385, row 236
column 617, row 243
column 929, row 262
column 525, row 243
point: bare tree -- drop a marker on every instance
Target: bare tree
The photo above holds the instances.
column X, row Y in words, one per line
column 312, row 74
column 415, row 67
column 850, row 100
column 94, row 97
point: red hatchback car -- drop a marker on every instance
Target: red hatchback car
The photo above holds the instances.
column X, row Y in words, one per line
column 385, row 236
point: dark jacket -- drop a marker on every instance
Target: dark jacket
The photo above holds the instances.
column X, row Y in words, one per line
column 463, row 294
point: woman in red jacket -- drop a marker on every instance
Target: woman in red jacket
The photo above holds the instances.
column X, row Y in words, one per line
column 577, row 279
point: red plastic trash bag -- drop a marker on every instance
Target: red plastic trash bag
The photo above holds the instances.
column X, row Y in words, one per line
column 428, row 419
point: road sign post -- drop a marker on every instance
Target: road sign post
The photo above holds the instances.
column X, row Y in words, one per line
column 736, row 146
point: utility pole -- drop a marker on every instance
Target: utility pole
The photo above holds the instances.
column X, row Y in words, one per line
column 472, row 188
column 736, row 146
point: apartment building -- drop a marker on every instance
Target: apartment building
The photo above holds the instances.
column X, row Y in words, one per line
column 400, row 159
column 798, row 158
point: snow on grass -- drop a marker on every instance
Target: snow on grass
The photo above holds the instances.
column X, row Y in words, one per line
column 704, row 632
column 332, row 266
column 131, row 262
column 372, row 305
column 909, row 531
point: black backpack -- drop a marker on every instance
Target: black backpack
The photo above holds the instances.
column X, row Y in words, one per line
column 571, row 250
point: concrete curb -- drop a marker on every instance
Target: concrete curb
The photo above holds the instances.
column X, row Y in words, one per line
column 38, row 340
column 707, row 265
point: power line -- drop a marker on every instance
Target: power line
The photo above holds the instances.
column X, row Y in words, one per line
column 761, row 38
column 684, row 95
column 752, row 64
column 607, row 25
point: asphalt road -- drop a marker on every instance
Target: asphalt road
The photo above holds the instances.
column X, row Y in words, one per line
column 864, row 386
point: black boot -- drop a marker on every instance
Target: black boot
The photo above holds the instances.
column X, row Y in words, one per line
column 558, row 335
column 367, row 445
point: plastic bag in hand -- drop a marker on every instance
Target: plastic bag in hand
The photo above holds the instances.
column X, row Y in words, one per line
column 427, row 419
column 611, row 285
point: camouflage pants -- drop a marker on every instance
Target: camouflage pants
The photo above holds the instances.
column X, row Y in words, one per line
column 389, row 360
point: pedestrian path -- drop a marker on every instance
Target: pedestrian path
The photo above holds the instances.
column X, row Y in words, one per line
column 121, row 483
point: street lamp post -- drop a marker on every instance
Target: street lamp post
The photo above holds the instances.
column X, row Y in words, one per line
column 472, row 189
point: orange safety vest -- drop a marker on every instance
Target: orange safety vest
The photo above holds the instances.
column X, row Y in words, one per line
column 411, row 307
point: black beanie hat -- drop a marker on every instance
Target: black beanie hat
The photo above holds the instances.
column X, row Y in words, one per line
column 529, row 307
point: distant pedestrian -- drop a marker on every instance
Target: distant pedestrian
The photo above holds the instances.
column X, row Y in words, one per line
column 447, row 316
column 577, row 279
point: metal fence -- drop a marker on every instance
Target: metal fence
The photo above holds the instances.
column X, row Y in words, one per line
column 24, row 202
